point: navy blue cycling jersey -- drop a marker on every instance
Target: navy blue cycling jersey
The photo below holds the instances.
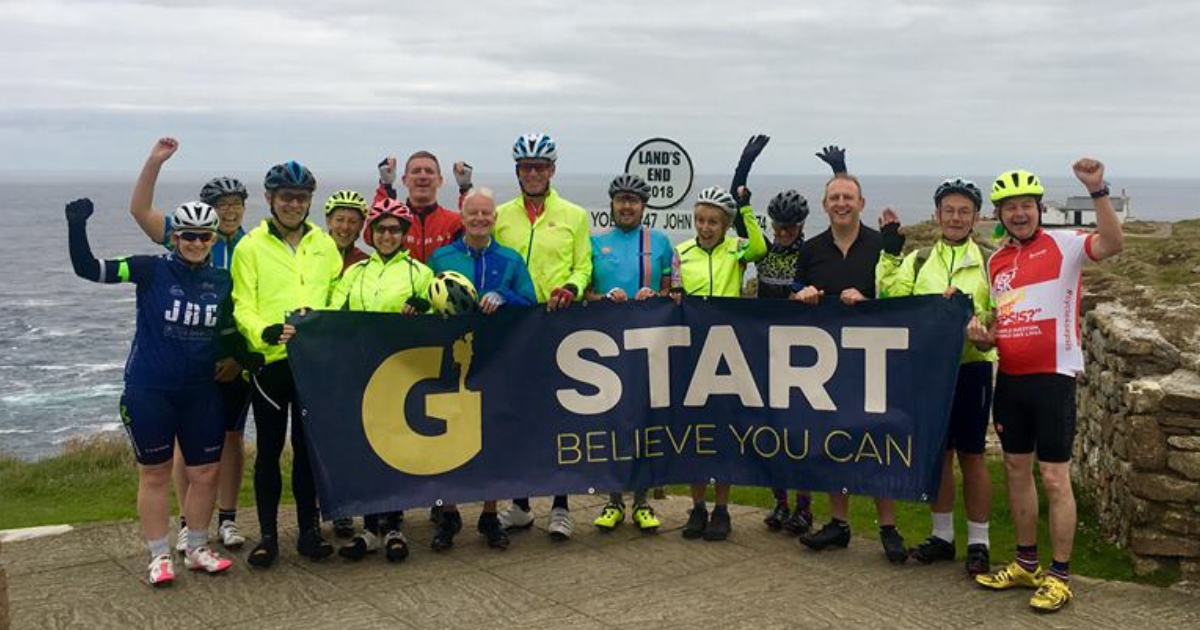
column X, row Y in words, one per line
column 181, row 312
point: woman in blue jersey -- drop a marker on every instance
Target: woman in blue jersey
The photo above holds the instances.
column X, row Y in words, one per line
column 184, row 325
column 500, row 278
column 630, row 261
column 228, row 197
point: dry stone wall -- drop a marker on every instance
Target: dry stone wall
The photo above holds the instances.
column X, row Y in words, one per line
column 1137, row 451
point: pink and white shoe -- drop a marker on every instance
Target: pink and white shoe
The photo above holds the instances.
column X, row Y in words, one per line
column 162, row 570
column 204, row 559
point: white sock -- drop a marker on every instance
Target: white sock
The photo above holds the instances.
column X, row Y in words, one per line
column 943, row 525
column 977, row 533
column 158, row 547
column 196, row 538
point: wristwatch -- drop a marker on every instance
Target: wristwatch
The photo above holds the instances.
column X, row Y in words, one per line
column 1103, row 192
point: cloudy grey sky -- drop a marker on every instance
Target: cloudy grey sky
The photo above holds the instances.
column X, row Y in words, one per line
column 911, row 87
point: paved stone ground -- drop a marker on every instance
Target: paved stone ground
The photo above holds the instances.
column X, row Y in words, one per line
column 94, row 577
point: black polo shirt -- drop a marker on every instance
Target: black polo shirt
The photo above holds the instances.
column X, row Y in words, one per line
column 822, row 264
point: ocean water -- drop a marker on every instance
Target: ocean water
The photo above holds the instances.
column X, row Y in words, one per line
column 63, row 341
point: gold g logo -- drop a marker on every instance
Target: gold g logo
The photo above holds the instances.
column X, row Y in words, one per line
column 388, row 430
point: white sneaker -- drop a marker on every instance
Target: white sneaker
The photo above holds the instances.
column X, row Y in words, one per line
column 204, row 559
column 162, row 570
column 181, row 540
column 513, row 517
column 231, row 538
column 560, row 523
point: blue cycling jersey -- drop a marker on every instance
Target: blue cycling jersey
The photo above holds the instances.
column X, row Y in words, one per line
column 222, row 251
column 630, row 260
column 181, row 312
column 494, row 268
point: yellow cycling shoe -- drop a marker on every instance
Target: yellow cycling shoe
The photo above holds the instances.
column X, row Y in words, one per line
column 612, row 516
column 1011, row 576
column 1052, row 595
column 643, row 516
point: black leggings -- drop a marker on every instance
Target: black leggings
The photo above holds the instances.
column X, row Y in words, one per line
column 274, row 395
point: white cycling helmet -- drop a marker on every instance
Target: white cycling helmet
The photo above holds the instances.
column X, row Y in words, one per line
column 719, row 197
column 535, row 146
column 195, row 215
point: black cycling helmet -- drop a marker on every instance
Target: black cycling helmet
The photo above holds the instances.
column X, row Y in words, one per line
column 291, row 174
column 631, row 184
column 960, row 186
column 218, row 187
column 788, row 207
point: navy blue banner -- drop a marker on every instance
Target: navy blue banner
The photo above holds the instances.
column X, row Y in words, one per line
column 406, row 411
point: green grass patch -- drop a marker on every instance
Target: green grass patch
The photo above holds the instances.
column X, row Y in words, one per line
column 96, row 480
column 92, row 480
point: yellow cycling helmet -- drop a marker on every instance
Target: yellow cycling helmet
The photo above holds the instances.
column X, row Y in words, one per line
column 347, row 199
column 1016, row 184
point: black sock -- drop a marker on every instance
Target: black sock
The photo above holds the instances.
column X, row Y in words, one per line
column 720, row 508
column 226, row 515
column 839, row 522
column 522, row 503
column 886, row 528
column 182, row 522
column 560, row 501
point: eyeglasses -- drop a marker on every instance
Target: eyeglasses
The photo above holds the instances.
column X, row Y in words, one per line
column 533, row 167
column 288, row 196
column 192, row 237
column 629, row 200
column 388, row 229
column 230, row 205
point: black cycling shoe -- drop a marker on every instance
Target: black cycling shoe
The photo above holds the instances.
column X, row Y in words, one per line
column 435, row 514
column 775, row 519
column 696, row 523
column 449, row 524
column 264, row 555
column 718, row 526
column 395, row 546
column 799, row 522
column 312, row 546
column 489, row 526
column 831, row 535
column 343, row 527
column 359, row 546
column 931, row 550
column 978, row 559
column 893, row 545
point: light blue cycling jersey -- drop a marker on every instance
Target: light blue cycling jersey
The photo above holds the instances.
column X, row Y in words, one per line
column 630, row 260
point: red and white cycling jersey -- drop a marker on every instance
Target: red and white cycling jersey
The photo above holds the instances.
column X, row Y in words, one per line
column 1036, row 292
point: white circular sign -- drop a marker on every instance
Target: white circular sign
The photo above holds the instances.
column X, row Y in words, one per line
column 666, row 167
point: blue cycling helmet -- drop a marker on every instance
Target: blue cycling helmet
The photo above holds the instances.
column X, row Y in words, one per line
column 291, row 174
column 535, row 146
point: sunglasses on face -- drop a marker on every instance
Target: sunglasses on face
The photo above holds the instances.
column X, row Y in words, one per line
column 288, row 196
column 192, row 237
column 533, row 167
column 388, row 229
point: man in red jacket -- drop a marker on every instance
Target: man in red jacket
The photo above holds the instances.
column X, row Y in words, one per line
column 435, row 225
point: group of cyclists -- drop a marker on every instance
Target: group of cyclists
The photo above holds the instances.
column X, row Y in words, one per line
column 211, row 337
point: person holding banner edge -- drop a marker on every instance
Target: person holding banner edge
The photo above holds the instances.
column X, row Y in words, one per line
column 841, row 261
column 500, row 279
column 630, row 261
column 713, row 264
column 285, row 264
column 552, row 236
column 955, row 263
column 1035, row 286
